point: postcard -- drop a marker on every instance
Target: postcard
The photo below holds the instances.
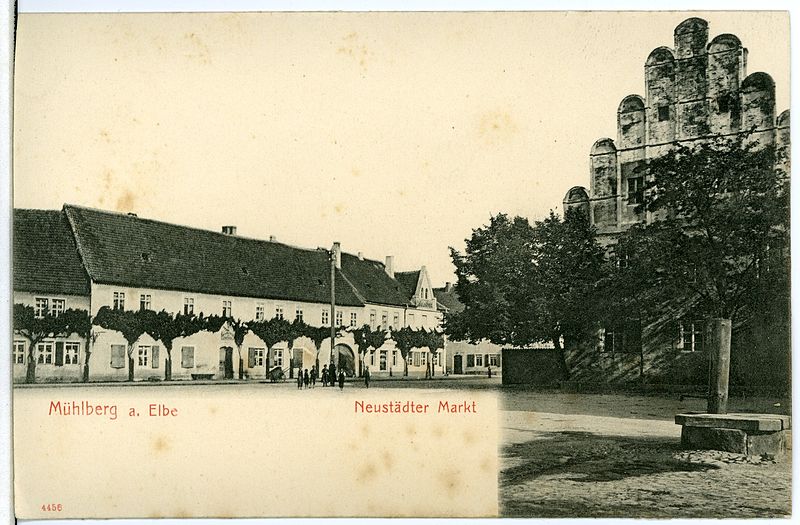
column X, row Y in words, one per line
column 401, row 264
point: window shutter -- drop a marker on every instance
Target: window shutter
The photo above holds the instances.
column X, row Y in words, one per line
column 117, row 356
column 59, row 353
column 251, row 357
column 155, row 357
column 187, row 357
column 486, row 360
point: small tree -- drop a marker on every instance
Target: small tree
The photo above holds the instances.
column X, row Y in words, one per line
column 35, row 329
column 240, row 330
column 131, row 324
column 404, row 341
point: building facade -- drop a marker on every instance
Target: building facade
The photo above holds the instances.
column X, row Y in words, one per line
column 85, row 259
column 696, row 90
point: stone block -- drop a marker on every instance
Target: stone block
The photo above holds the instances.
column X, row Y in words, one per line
column 772, row 443
column 707, row 438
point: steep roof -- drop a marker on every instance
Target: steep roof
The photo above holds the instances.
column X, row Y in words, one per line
column 128, row 250
column 409, row 281
column 45, row 258
column 448, row 299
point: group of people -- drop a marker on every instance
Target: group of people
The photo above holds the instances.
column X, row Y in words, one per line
column 308, row 379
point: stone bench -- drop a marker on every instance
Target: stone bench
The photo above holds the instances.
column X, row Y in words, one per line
column 749, row 434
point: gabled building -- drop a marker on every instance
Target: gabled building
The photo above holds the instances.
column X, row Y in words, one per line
column 85, row 258
column 695, row 91
column 464, row 357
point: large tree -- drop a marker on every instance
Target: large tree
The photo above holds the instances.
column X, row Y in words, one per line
column 716, row 242
column 523, row 284
column 131, row 324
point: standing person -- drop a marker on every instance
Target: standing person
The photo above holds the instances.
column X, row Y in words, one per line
column 366, row 376
column 341, row 379
column 490, row 372
column 324, row 375
column 299, row 378
column 313, row 376
column 332, row 374
column 306, row 379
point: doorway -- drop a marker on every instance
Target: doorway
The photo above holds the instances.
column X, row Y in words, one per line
column 458, row 366
column 226, row 362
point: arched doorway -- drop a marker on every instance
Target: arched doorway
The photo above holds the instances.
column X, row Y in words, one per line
column 345, row 359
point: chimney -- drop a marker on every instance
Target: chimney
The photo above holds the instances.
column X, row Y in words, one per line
column 360, row 256
column 390, row 265
column 337, row 255
column 448, row 287
column 272, row 238
column 229, row 230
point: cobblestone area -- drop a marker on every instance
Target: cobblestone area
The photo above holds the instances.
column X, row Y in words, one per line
column 556, row 465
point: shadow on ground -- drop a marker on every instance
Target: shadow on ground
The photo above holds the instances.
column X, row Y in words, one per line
column 587, row 457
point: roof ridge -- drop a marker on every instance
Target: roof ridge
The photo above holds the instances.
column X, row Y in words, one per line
column 196, row 228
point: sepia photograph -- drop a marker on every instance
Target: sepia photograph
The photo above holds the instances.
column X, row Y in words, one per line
column 484, row 264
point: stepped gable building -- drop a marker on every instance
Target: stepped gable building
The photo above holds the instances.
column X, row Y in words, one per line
column 85, row 259
column 693, row 91
column 697, row 90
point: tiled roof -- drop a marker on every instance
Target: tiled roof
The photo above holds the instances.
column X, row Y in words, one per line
column 45, row 259
column 448, row 299
column 409, row 282
column 132, row 251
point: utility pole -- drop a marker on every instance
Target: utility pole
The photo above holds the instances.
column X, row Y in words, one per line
column 333, row 297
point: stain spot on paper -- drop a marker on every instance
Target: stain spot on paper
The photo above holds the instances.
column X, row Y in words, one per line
column 126, row 201
column 497, row 127
column 161, row 444
column 366, row 473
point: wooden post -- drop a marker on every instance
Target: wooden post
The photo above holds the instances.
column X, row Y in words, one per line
column 718, row 340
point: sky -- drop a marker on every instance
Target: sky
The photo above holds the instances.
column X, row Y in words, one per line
column 392, row 133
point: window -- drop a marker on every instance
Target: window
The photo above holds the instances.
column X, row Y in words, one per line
column 298, row 313
column 411, row 320
column 635, row 190
column 470, row 360
column 372, row 318
column 691, row 336
column 144, row 355
column 45, row 350
column 187, row 357
column 42, row 306
column 119, row 300
column 144, row 302
column 416, row 358
column 394, row 357
column 663, row 113
column 148, row 355
column 385, row 320
column 19, row 352
column 610, row 341
column 493, row 359
column 278, row 357
column 188, row 305
column 479, row 360
column 396, row 321
column 117, row 356
column 279, row 312
column 353, row 319
column 227, row 308
column 57, row 306
column 71, row 351
column 372, row 358
column 728, row 103
column 383, row 360
column 259, row 311
column 339, row 317
column 423, row 358
column 255, row 357
column 326, row 317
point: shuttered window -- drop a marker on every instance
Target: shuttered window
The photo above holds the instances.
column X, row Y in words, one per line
column 155, row 356
column 117, row 356
column 59, row 354
column 187, row 357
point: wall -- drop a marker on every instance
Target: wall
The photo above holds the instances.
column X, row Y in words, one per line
column 522, row 366
column 464, row 349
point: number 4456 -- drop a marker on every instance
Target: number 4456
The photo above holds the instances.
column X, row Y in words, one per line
column 52, row 507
